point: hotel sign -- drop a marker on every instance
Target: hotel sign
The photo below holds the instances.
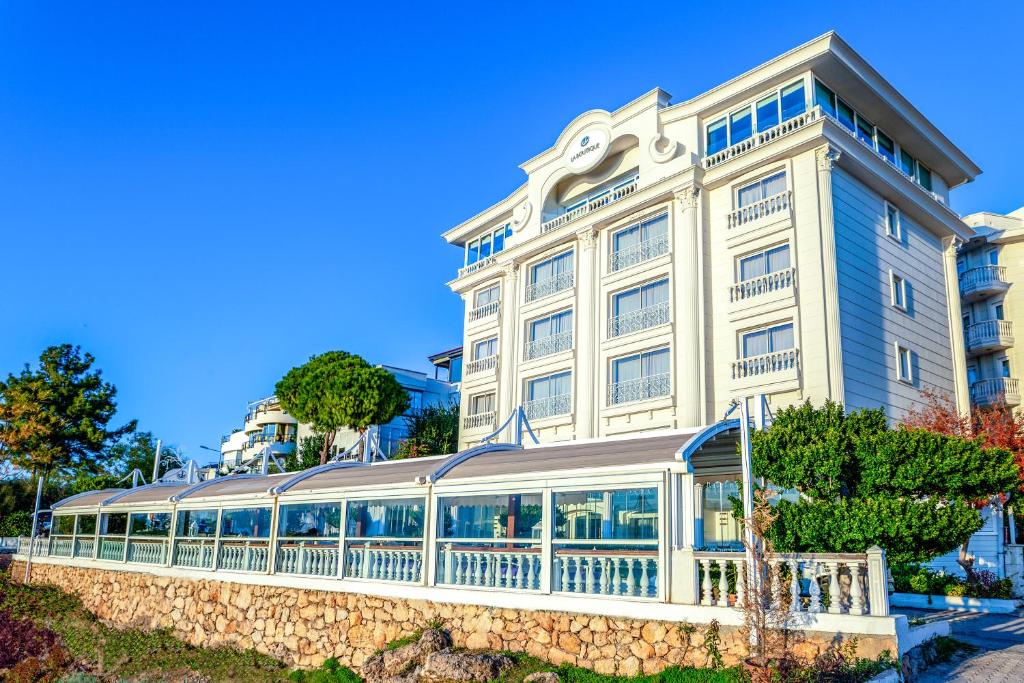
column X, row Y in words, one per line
column 587, row 150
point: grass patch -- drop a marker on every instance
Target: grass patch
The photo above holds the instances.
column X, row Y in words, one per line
column 946, row 648
column 526, row 665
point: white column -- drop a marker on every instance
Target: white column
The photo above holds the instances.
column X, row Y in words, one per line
column 961, row 391
column 586, row 395
column 688, row 322
column 827, row 157
column 508, row 354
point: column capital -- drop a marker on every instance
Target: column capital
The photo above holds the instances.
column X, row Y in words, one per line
column 510, row 269
column 687, row 196
column 587, row 238
column 952, row 244
column 827, row 157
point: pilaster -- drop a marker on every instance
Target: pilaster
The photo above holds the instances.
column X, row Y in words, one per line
column 688, row 319
column 961, row 391
column 508, row 358
column 586, row 398
column 827, row 157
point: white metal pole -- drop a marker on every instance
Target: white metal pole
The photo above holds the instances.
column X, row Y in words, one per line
column 35, row 527
column 156, row 462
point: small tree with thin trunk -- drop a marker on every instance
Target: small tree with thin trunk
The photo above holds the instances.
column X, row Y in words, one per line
column 339, row 390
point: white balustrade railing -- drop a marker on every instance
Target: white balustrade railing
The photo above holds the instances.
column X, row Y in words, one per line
column 484, row 311
column 546, row 346
column 631, row 573
column 766, row 364
column 996, row 391
column 481, row 364
column 376, row 561
column 147, row 551
column 982, row 278
column 482, row 263
column 194, row 552
column 769, row 206
column 41, row 543
column 550, row 286
column 640, row 389
column 638, row 253
column 84, row 547
column 243, row 556
column 990, row 333
column 762, row 284
column 593, row 204
column 640, row 319
column 313, row 558
column 485, row 419
column 112, row 549
column 798, row 583
column 489, row 567
column 61, row 546
column 548, row 407
column 754, row 141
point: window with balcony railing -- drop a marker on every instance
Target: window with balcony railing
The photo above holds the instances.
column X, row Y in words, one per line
column 640, row 376
column 638, row 243
column 766, row 350
column 601, row 196
column 479, row 250
column 485, row 356
column 639, row 308
column 549, row 396
column 766, row 113
column 549, row 335
column 485, row 302
column 763, row 272
column 550, row 276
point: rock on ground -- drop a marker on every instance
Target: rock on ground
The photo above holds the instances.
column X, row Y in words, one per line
column 431, row 660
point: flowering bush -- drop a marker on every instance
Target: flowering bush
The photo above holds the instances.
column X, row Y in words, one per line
column 917, row 579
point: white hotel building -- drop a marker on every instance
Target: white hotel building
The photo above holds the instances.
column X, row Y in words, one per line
column 787, row 232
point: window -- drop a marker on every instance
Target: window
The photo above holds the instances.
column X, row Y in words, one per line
column 481, row 403
column 824, row 98
column 313, row 520
column 114, row 524
column 907, row 163
column 487, row 296
column 627, row 514
column 961, row 264
column 63, row 525
column 793, row 101
column 998, row 311
column 1004, row 367
column 846, row 115
column 904, row 366
column 197, row 523
column 761, row 189
column 718, row 137
column 768, row 112
column 486, row 245
column 245, row 523
column 972, row 374
column 992, row 257
column 886, row 147
column 897, row 291
column 485, row 348
column 866, row 131
column 640, row 376
column 893, row 228
column 639, row 308
column 740, row 125
column 551, row 386
column 721, row 529
column 640, row 242
column 551, row 268
column 383, row 539
column 86, row 525
column 764, row 263
column 767, row 340
column 924, row 176
column 150, row 524
column 550, row 334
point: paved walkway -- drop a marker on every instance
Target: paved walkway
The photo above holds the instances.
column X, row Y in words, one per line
column 1000, row 656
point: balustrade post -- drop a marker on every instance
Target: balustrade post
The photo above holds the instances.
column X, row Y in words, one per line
column 723, row 583
column 834, row 594
column 813, row 589
column 794, row 586
column 706, row 582
column 741, row 580
column 878, row 590
column 856, row 593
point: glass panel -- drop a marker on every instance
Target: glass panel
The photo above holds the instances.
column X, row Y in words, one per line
column 793, row 101
column 246, row 523
column 63, row 525
column 150, row 524
column 778, row 258
column 499, row 240
column 542, row 271
column 891, row 221
column 755, row 343
column 625, row 369
column 486, row 296
column 845, row 114
column 485, row 246
column 992, row 256
column 397, row 518
column 655, row 363
column 310, row 519
column 825, row 98
column 654, row 293
column 721, row 529
column 562, row 263
column 906, row 163
column 628, row 514
column 473, row 252
column 197, row 523
column 897, row 290
column 773, row 184
column 115, row 524
column 86, row 525
column 865, row 131
column 753, row 266
column 512, row 515
column 767, row 113
column 886, row 147
column 655, row 227
column 748, row 195
column 924, row 176
column 627, row 302
column 904, row 355
column 718, row 138
column 1004, row 367
column 780, row 338
column 998, row 312
column 624, row 239
column 972, row 374
column 740, row 125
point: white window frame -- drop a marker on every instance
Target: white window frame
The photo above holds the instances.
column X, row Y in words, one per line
column 900, row 350
column 752, row 104
column 474, row 397
column 478, row 292
column 897, row 285
column 478, row 342
column 783, row 171
column 898, row 234
column 503, row 229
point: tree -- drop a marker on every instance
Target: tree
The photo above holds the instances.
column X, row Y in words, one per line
column 910, row 491
column 306, row 455
column 55, row 419
column 432, row 431
column 338, row 390
column 995, row 427
column 138, row 451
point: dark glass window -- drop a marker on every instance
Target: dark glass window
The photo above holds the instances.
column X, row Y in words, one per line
column 793, row 101
column 845, row 114
column 886, row 147
column 740, row 125
column 924, row 176
column 865, row 131
column 907, row 163
column 825, row 98
column 718, row 136
column 767, row 113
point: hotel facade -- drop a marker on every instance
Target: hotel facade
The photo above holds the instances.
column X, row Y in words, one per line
column 787, row 233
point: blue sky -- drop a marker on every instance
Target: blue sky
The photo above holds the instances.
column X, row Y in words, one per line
column 204, row 194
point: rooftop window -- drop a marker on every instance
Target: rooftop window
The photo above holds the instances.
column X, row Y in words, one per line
column 769, row 111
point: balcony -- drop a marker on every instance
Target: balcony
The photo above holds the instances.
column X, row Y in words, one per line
column 482, row 365
column 763, row 138
column 549, row 287
column 978, row 283
column 479, row 265
column 552, row 406
column 547, row 346
column 484, row 311
column 761, row 285
column 998, row 391
column 777, row 205
column 764, row 365
column 642, row 319
column 591, row 205
column 638, row 253
column 479, row 421
column 989, row 335
column 639, row 389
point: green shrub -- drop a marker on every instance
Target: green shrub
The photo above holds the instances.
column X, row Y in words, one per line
column 330, row 672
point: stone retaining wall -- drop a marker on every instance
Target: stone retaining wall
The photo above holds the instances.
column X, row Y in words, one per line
column 305, row 627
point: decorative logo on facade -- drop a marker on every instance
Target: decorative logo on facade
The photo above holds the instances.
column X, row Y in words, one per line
column 584, row 141
column 588, row 152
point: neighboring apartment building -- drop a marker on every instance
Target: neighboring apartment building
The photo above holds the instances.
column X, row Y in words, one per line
column 991, row 267
column 266, row 424
column 787, row 232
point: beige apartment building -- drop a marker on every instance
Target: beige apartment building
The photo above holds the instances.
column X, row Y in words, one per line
column 787, row 232
column 991, row 267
